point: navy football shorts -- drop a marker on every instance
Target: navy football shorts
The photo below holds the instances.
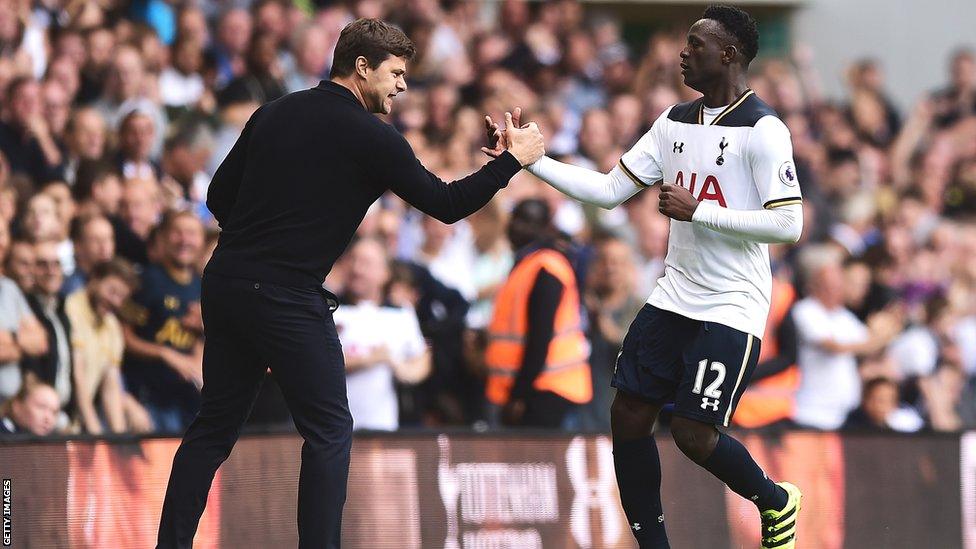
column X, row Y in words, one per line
column 702, row 367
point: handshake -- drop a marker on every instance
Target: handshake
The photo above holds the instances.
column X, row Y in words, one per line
column 524, row 141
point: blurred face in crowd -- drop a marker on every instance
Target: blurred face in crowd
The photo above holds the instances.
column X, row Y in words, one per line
column 41, row 219
column 140, row 205
column 107, row 193
column 187, row 56
column 37, row 413
column 828, row 285
column 964, row 71
column 64, row 203
column 596, row 135
column 880, row 402
column 625, row 111
column 47, row 269
column 108, row 294
column 312, row 50
column 20, row 265
column 183, row 242
column 234, row 33
column 368, row 270
column 383, row 83
column 25, row 104
column 96, row 243
column 136, row 136
column 436, row 234
column 857, row 282
column 128, row 72
column 101, row 45
column 613, row 268
column 57, row 107
column 64, row 71
column 87, row 136
column 270, row 18
column 192, row 24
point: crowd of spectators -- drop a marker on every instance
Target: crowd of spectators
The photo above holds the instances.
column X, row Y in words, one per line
column 116, row 114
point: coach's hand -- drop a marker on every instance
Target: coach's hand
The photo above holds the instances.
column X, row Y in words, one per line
column 676, row 202
column 524, row 141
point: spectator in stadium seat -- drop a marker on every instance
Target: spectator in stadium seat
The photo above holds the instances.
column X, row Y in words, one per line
column 99, row 342
column 830, row 340
column 25, row 138
column 381, row 345
column 41, row 223
column 163, row 336
column 611, row 305
column 85, row 137
column 137, row 134
column 33, row 410
column 20, row 333
column 537, row 353
column 140, row 209
column 94, row 243
column 19, row 264
column 878, row 401
column 55, row 367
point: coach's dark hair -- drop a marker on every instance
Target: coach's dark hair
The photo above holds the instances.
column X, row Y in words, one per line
column 373, row 39
column 739, row 24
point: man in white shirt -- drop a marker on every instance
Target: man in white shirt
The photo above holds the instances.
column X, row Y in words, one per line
column 380, row 344
column 830, row 339
column 730, row 188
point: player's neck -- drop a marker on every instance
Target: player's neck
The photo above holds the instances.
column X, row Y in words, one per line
column 724, row 92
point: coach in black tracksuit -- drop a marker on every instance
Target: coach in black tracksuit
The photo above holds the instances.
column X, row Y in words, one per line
column 289, row 197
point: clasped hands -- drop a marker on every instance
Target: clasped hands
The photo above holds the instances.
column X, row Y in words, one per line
column 674, row 201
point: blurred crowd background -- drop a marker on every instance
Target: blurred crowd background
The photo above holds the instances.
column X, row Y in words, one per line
column 116, row 113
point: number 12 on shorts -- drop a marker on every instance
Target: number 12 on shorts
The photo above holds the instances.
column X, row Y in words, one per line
column 712, row 391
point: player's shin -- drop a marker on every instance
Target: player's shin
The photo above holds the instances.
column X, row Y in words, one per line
column 638, row 468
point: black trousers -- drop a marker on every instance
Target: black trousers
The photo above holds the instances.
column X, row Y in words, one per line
column 250, row 326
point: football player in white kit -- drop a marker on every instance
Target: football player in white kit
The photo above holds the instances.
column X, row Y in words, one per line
column 730, row 187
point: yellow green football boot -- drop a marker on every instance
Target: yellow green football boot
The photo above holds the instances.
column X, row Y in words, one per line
column 779, row 527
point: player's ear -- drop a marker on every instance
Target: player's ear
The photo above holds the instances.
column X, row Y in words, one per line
column 361, row 66
column 730, row 54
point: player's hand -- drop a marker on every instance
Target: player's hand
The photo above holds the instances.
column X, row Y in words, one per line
column 525, row 143
column 676, row 202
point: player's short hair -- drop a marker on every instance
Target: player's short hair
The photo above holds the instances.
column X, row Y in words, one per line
column 739, row 24
column 373, row 39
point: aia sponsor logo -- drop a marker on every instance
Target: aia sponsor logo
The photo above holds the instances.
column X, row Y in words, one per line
column 709, row 189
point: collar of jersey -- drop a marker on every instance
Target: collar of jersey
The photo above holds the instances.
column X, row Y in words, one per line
column 732, row 106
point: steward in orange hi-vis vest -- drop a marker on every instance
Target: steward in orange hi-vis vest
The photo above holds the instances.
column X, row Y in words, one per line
column 771, row 399
column 566, row 372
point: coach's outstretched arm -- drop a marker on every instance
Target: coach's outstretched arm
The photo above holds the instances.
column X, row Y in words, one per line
column 606, row 190
column 450, row 202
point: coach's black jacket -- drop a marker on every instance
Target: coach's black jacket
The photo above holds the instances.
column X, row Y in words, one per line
column 292, row 191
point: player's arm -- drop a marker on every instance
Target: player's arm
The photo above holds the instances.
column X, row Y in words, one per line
column 770, row 155
column 639, row 168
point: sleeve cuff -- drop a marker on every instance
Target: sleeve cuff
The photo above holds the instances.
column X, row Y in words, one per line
column 508, row 164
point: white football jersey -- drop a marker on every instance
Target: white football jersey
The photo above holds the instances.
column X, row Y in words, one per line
column 742, row 159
